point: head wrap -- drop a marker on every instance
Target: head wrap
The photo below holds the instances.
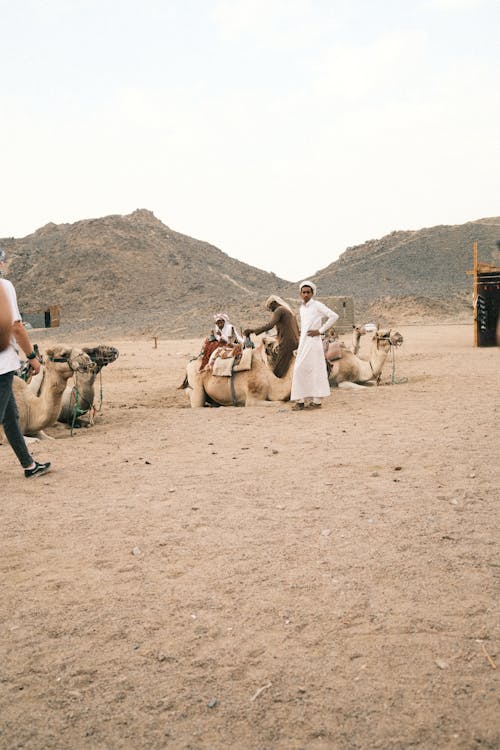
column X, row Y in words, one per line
column 308, row 283
column 279, row 301
column 221, row 316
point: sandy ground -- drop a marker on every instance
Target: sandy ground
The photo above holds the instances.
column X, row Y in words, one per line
column 257, row 578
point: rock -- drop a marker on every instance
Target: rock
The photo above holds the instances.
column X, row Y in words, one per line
column 441, row 663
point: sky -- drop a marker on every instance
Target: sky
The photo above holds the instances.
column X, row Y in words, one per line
column 281, row 131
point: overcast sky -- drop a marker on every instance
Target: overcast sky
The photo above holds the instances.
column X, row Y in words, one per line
column 281, row 131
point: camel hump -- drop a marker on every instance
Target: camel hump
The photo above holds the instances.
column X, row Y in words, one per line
column 333, row 351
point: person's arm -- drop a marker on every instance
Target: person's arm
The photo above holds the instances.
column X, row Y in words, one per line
column 238, row 335
column 21, row 335
column 267, row 326
column 5, row 320
column 331, row 316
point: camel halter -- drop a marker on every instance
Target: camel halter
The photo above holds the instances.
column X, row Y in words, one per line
column 70, row 362
column 76, row 410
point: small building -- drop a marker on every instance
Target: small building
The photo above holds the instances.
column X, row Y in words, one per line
column 50, row 318
column 344, row 307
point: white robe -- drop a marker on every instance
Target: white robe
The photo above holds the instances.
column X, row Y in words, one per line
column 310, row 378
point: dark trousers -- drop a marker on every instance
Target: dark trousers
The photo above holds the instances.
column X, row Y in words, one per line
column 9, row 419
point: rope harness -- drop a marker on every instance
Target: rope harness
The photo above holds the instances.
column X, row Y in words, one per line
column 394, row 343
column 395, row 340
column 92, row 409
column 75, row 411
column 247, row 344
column 394, row 380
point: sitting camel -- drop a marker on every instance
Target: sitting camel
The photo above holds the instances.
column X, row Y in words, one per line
column 357, row 332
column 259, row 385
column 79, row 398
column 38, row 412
column 353, row 370
column 334, row 347
column 81, row 395
column 255, row 387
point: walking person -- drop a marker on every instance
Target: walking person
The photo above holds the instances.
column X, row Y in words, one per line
column 310, row 377
column 5, row 320
column 9, row 363
column 287, row 332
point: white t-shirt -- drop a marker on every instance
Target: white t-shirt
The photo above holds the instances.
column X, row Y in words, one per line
column 9, row 359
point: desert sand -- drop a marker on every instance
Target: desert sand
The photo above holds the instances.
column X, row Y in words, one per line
column 257, row 578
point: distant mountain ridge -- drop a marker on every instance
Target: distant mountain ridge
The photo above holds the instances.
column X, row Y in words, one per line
column 134, row 274
column 420, row 273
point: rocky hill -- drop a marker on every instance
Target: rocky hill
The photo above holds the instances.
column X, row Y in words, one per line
column 415, row 275
column 133, row 274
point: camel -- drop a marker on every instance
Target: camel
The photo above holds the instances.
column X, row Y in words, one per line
column 79, row 398
column 81, row 395
column 355, row 371
column 255, row 387
column 259, row 386
column 357, row 332
column 38, row 412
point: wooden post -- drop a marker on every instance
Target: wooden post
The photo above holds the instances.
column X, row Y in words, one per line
column 55, row 315
column 155, row 339
column 474, row 288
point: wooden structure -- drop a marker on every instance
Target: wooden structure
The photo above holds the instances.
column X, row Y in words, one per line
column 50, row 318
column 486, row 298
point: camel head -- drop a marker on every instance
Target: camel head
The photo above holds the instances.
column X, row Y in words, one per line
column 101, row 355
column 67, row 360
column 385, row 338
column 396, row 338
column 360, row 330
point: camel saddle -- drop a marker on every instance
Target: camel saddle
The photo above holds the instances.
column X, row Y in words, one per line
column 229, row 359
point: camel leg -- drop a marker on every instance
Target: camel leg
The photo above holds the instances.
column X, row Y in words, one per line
column 197, row 397
column 347, row 385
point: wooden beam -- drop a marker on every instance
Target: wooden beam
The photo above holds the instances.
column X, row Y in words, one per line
column 474, row 289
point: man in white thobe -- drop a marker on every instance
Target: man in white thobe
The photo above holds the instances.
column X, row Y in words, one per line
column 310, row 377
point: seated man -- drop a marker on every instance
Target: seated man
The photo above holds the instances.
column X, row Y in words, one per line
column 287, row 332
column 224, row 333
